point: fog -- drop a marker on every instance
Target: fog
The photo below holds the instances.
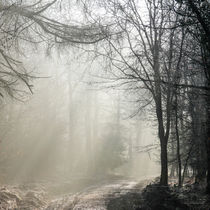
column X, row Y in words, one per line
column 104, row 104
column 74, row 126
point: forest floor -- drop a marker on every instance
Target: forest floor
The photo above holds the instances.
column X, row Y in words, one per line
column 188, row 197
column 108, row 194
column 121, row 194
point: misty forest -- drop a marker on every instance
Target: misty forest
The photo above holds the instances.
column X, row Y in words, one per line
column 104, row 104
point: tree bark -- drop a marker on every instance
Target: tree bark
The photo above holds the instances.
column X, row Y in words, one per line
column 164, row 163
column 163, row 141
column 208, row 139
column 163, row 136
column 178, row 145
column 208, row 166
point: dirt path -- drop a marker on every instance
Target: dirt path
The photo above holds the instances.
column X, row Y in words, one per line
column 97, row 198
column 112, row 195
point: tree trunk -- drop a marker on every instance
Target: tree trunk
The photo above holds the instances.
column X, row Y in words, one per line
column 173, row 166
column 163, row 144
column 164, row 163
column 178, row 146
column 208, row 165
column 163, row 140
column 208, row 139
column 186, row 163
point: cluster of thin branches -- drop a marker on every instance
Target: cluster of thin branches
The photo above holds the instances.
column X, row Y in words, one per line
column 30, row 22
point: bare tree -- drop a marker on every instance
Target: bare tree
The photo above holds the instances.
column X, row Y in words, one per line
column 144, row 53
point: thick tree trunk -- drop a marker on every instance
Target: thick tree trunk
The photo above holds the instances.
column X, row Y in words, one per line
column 208, row 139
column 163, row 144
column 208, row 165
column 164, row 163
